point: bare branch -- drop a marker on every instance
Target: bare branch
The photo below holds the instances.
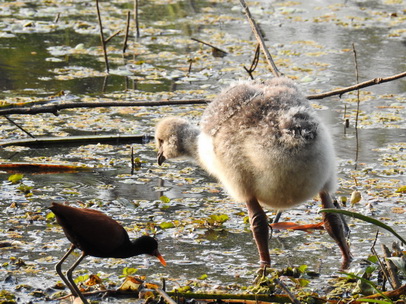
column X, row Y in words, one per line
column 260, row 39
column 57, row 107
column 127, row 28
column 358, row 86
column 103, row 42
column 216, row 50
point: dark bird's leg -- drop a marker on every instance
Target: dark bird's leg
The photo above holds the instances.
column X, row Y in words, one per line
column 260, row 230
column 277, row 217
column 69, row 275
column 335, row 225
column 58, row 268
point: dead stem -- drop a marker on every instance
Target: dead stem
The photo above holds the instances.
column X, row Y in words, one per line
column 260, row 39
column 103, row 42
column 127, row 29
column 216, row 50
column 290, row 295
column 391, row 268
column 254, row 63
column 357, row 112
column 361, row 85
column 18, row 126
column 137, row 24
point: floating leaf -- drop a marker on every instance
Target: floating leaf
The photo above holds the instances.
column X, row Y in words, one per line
column 164, row 199
column 166, row 225
column 401, row 189
column 129, row 271
column 15, row 178
column 355, row 197
column 81, row 279
column 203, row 277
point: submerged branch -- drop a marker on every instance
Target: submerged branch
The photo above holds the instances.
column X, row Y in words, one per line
column 57, row 107
column 77, row 140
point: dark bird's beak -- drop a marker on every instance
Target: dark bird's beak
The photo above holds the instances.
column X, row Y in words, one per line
column 159, row 256
column 161, row 158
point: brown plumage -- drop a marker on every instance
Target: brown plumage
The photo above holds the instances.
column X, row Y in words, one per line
column 98, row 235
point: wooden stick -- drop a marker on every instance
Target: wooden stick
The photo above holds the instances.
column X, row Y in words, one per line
column 357, row 112
column 18, row 126
column 361, row 85
column 137, row 24
column 260, row 39
column 210, row 45
column 112, row 36
column 103, row 42
column 77, row 140
column 285, row 289
column 127, row 29
column 57, row 107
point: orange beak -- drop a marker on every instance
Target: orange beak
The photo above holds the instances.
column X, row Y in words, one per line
column 160, row 257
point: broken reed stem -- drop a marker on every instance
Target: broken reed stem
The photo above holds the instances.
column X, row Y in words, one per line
column 137, row 24
column 210, row 45
column 254, row 63
column 391, row 268
column 132, row 161
column 357, row 112
column 112, row 36
column 127, row 29
column 103, row 42
column 383, row 268
column 18, row 126
column 285, row 289
column 260, row 39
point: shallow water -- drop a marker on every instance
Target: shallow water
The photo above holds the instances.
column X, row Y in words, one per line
column 309, row 41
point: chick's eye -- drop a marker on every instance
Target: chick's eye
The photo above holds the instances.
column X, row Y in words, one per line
column 160, row 142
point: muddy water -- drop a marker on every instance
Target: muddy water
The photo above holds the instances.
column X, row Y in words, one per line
column 311, row 42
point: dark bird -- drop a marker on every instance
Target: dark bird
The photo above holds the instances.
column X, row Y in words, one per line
column 97, row 235
column 267, row 146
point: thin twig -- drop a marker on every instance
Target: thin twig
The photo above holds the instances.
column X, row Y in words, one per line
column 112, row 36
column 127, row 29
column 383, row 268
column 358, row 102
column 361, row 85
column 18, row 126
column 132, row 160
column 103, row 42
column 137, row 24
column 167, row 298
column 221, row 52
column 346, row 120
column 77, row 140
column 290, row 295
column 254, row 63
column 260, row 39
column 57, row 18
column 391, row 268
column 54, row 108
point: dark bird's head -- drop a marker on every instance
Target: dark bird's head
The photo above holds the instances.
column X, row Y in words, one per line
column 148, row 245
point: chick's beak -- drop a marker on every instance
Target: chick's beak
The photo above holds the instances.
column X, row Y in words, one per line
column 161, row 158
column 159, row 256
